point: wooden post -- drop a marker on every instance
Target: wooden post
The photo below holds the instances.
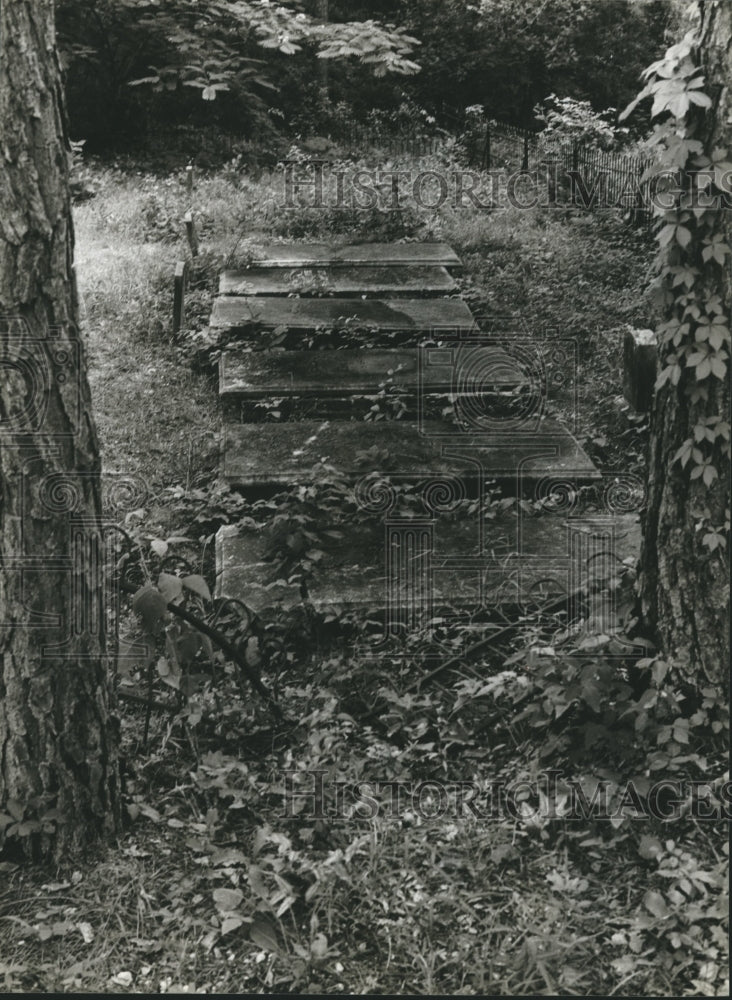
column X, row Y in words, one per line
column 639, row 214
column 640, row 360
column 179, row 295
column 189, row 181
column 191, row 234
column 487, row 149
column 525, row 163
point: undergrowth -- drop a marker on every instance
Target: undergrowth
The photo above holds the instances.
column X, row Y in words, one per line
column 527, row 806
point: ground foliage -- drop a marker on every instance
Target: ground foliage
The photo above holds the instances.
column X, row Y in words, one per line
column 223, row 882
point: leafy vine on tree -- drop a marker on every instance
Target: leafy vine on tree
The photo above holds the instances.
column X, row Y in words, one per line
column 694, row 339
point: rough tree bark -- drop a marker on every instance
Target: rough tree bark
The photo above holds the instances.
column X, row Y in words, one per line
column 58, row 757
column 684, row 586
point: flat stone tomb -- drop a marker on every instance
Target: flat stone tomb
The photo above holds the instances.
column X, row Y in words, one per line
column 446, row 564
column 372, row 281
column 270, row 454
column 448, row 557
column 240, row 312
column 262, row 374
column 359, row 254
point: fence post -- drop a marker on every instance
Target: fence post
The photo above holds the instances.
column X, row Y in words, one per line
column 575, row 155
column 640, row 212
column 552, row 174
column 189, row 181
column 525, row 163
column 179, row 295
column 487, row 149
column 191, row 234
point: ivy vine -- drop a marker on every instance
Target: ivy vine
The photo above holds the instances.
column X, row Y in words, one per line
column 694, row 339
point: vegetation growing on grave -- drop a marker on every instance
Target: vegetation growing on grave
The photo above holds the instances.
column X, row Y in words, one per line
column 216, row 888
column 223, row 883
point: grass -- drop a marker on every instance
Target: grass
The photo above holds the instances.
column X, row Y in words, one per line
column 144, row 398
column 359, row 903
column 583, row 277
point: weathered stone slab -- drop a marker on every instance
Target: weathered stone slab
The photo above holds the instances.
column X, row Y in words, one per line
column 640, row 362
column 263, row 374
column 361, row 254
column 345, row 280
column 265, row 455
column 239, row 312
column 423, row 568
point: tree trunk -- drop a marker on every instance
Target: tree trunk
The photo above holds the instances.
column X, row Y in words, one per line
column 684, row 585
column 58, row 744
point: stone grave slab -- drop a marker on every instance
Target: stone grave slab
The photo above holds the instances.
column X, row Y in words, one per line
column 374, row 280
column 359, row 254
column 263, row 374
column 270, row 454
column 241, row 312
column 451, row 564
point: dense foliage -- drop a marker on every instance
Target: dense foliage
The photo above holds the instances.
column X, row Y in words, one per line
column 143, row 64
column 212, row 48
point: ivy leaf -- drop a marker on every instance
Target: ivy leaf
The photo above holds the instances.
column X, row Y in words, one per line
column 716, row 249
column 170, row 586
column 713, row 541
column 656, row 904
column 701, row 100
column 709, row 475
column 159, row 547
column 718, row 335
column 685, row 276
column 684, row 453
column 263, row 934
column 227, row 899
column 683, row 236
column 719, row 368
column 230, row 923
column 646, row 92
column 666, row 235
column 197, row 585
column 679, row 105
column 151, row 606
column 719, row 251
column 714, row 332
